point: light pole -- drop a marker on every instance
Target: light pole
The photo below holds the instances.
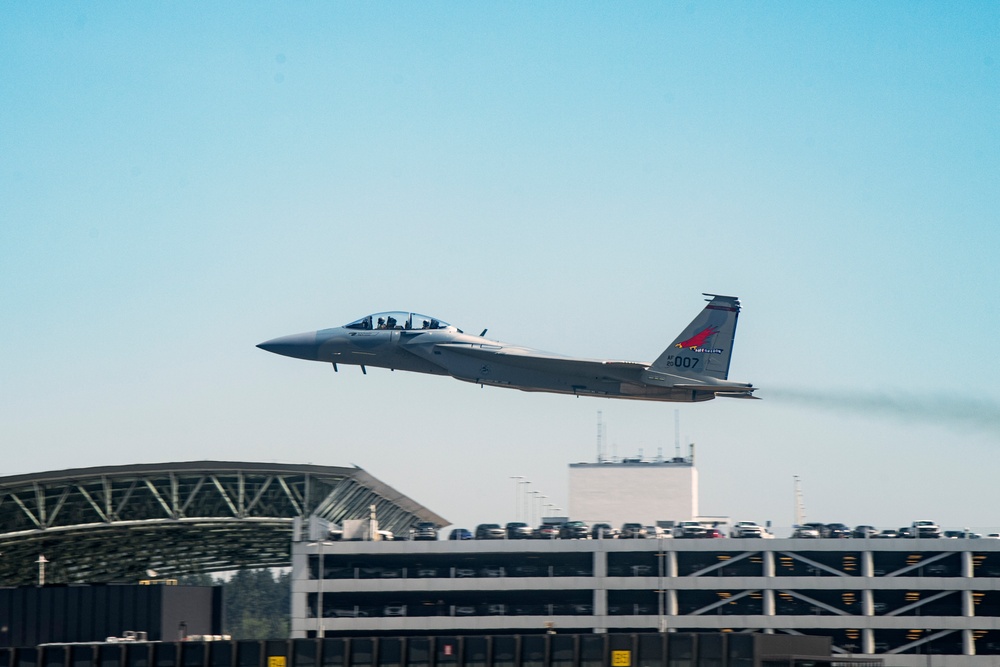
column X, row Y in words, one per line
column 319, row 589
column 527, row 501
column 541, row 501
column 42, row 560
column 517, row 495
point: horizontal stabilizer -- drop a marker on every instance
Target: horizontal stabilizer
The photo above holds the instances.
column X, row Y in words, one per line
column 719, row 390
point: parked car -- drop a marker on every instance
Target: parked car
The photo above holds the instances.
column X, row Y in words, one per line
column 631, row 531
column 925, row 528
column 689, row 529
column 837, row 531
column 490, row 531
column 713, row 533
column 888, row 533
column 806, row 532
column 955, row 534
column 425, row 530
column 518, row 530
column 818, row 527
column 394, row 609
column 745, row 529
column 863, row 531
column 546, row 532
column 574, row 530
column 602, row 531
column 459, row 534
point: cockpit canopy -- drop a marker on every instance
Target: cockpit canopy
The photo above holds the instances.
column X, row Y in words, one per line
column 398, row 320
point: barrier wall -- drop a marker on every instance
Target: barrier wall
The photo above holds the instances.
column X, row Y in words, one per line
column 539, row 650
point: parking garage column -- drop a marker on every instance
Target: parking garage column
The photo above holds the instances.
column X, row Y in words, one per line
column 867, row 640
column 768, row 561
column 600, row 601
column 968, row 570
column 968, row 642
column 968, row 604
column 670, row 599
column 867, row 595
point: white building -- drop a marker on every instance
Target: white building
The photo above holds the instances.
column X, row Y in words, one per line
column 633, row 490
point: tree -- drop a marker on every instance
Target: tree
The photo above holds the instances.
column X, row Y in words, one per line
column 256, row 603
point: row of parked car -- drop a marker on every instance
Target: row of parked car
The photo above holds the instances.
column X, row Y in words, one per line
column 921, row 528
column 578, row 530
column 517, row 530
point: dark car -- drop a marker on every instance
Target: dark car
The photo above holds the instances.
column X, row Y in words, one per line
column 862, row 532
column 425, row 530
column 518, row 530
column 602, row 531
column 460, row 534
column 837, row 530
column 574, row 530
column 490, row 531
column 632, row 531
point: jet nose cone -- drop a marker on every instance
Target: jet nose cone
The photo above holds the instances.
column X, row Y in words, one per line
column 299, row 346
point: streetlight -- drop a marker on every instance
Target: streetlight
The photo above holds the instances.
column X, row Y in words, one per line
column 319, row 589
column 517, row 495
column 532, row 496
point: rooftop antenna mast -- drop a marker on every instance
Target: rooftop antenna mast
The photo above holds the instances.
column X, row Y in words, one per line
column 677, row 434
column 800, row 510
column 600, row 437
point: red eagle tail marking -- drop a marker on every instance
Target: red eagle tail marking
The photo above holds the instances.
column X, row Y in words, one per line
column 698, row 339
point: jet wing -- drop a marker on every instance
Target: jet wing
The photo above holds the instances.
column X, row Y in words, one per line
column 627, row 371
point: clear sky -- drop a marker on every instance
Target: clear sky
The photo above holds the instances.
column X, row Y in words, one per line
column 181, row 181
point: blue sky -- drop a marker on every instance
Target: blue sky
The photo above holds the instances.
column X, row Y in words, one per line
column 181, row 181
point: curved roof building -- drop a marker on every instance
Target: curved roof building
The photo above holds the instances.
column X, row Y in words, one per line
column 115, row 523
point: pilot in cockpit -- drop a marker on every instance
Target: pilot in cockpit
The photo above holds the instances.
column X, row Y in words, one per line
column 390, row 322
column 381, row 323
column 426, row 325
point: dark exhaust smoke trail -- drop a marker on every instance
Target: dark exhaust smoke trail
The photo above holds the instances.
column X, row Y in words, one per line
column 965, row 413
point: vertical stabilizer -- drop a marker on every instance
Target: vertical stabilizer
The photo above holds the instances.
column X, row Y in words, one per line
column 705, row 347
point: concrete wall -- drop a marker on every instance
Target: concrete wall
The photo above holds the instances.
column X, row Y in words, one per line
column 617, row 493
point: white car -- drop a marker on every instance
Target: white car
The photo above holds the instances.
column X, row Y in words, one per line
column 746, row 529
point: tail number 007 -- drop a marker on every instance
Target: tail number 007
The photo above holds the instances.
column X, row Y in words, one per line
column 678, row 361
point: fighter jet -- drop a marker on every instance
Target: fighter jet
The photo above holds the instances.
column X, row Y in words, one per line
column 695, row 367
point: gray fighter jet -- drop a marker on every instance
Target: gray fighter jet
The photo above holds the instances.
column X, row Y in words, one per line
column 694, row 368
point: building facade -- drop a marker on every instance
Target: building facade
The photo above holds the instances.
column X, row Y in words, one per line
column 633, row 490
column 908, row 598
